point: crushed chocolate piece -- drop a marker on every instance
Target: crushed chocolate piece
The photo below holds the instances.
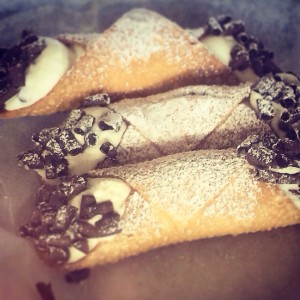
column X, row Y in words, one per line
column 55, row 149
column 111, row 121
column 55, row 167
column 31, row 159
column 260, row 157
column 45, row 290
column 64, row 217
column 239, row 58
column 84, row 125
column 74, row 116
column 69, row 143
column 265, row 107
column 234, row 28
column 14, row 63
column 90, row 208
column 77, row 276
column 101, row 100
column 91, row 139
column 72, row 185
column 214, row 26
column 249, row 52
column 223, row 19
column 56, row 226
column 54, row 255
column 45, row 135
column 108, row 225
column 109, row 149
column 82, row 245
column 247, row 144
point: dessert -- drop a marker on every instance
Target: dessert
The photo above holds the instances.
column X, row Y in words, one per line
column 245, row 54
column 117, row 212
column 126, row 131
column 140, row 54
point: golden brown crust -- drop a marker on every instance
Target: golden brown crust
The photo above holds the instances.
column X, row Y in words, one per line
column 141, row 54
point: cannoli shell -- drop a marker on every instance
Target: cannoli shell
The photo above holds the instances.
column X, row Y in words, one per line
column 142, row 53
column 189, row 196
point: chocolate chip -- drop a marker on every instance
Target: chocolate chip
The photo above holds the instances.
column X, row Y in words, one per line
column 272, row 142
column 72, row 185
column 264, row 85
column 234, row 27
column 109, row 149
column 53, row 240
column 288, row 102
column 101, row 100
column 249, row 142
column 69, row 143
column 282, row 160
column 84, row 125
column 14, row 63
column 91, row 139
column 108, row 225
column 55, row 255
column 31, row 159
column 260, row 157
column 74, row 116
column 265, row 108
column 64, row 216
column 223, row 19
column 111, row 121
column 82, row 245
column 55, row 148
column 45, row 291
column 243, row 39
column 45, row 135
column 55, row 167
column 214, row 26
column 90, row 208
column 86, row 229
column 77, row 276
column 239, row 58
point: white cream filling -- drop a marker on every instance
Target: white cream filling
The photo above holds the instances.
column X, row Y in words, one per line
column 92, row 155
column 286, row 188
column 221, row 47
column 103, row 189
column 42, row 75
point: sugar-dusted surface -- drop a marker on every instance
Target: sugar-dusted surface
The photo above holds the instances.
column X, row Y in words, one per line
column 241, row 123
column 190, row 196
column 140, row 54
column 177, row 121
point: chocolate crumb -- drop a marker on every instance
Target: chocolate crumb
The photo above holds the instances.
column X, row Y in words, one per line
column 74, row 116
column 101, row 100
column 77, row 276
column 31, row 159
column 109, row 149
column 72, row 185
column 45, row 290
column 84, row 125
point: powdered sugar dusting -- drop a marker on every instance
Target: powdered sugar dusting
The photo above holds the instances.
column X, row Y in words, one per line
column 177, row 121
column 182, row 184
column 241, row 123
column 140, row 34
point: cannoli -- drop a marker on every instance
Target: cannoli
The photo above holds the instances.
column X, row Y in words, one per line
column 117, row 212
column 142, row 53
column 140, row 129
column 243, row 53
